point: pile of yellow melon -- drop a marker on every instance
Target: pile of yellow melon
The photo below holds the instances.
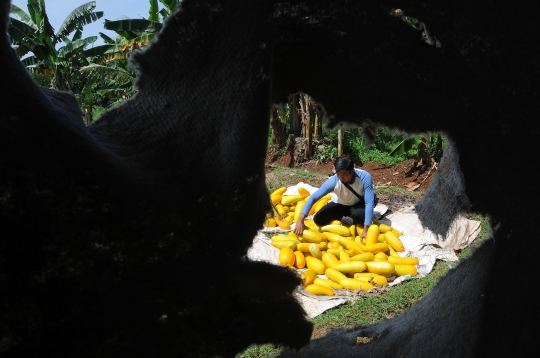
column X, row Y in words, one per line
column 338, row 251
column 287, row 208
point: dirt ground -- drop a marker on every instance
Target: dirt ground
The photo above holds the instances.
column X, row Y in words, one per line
column 405, row 175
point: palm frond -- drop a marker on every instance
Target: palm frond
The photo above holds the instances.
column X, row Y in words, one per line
column 23, row 16
column 153, row 11
column 134, row 25
column 75, row 46
column 106, row 38
column 115, row 57
column 77, row 35
column 21, row 27
column 98, row 50
column 117, row 74
column 170, row 5
column 79, row 17
column 18, row 31
column 137, row 43
column 30, row 61
column 39, row 16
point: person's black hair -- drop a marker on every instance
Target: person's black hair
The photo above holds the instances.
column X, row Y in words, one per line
column 343, row 162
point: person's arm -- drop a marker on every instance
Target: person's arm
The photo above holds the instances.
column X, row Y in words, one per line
column 325, row 188
column 369, row 199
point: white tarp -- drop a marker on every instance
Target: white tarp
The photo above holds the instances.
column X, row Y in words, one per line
column 418, row 241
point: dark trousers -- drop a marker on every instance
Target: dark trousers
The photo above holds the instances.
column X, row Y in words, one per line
column 334, row 211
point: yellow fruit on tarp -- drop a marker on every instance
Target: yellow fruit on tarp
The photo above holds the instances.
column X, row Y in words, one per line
column 337, row 229
column 303, row 192
column 286, row 256
column 402, row 270
column 372, row 235
column 322, row 201
column 280, row 237
column 276, row 199
column 304, row 246
column 394, row 241
column 281, row 210
column 375, row 248
column 308, row 276
column 344, row 241
column 343, row 255
column 279, row 191
column 315, row 251
column 351, row 267
column 281, row 244
column 329, row 259
column 292, row 235
column 355, row 285
column 290, row 199
column 300, row 260
column 315, row 264
column 270, row 222
column 382, row 255
column 327, row 283
column 330, row 236
column 373, row 278
column 283, row 224
column 380, row 267
column 352, row 229
column 334, row 274
column 384, row 228
column 298, row 210
column 398, row 260
column 312, row 236
column 319, row 290
column 397, row 232
column 366, row 256
column 392, row 251
column 319, row 206
column 334, row 251
column 353, row 251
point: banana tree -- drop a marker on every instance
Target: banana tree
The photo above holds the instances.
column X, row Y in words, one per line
column 135, row 34
column 32, row 32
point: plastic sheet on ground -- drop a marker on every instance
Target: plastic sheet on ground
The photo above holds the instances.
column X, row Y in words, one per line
column 418, row 241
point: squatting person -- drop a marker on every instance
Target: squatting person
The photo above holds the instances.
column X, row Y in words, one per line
column 353, row 198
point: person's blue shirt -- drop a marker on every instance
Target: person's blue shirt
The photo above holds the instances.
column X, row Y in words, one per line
column 362, row 184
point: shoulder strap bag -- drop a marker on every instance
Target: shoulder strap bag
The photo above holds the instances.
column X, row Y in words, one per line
column 358, row 195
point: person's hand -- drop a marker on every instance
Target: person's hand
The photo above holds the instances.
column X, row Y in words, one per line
column 364, row 234
column 299, row 226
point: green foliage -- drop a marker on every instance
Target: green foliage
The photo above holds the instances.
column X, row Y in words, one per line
column 96, row 112
column 41, row 79
column 326, row 154
column 355, row 145
column 31, row 33
column 266, row 350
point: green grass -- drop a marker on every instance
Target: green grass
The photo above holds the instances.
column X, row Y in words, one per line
column 285, row 176
column 392, row 302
